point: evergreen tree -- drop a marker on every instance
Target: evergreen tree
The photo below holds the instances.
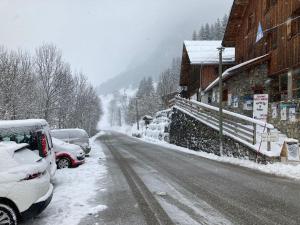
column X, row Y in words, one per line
column 224, row 23
column 207, row 31
column 212, row 33
column 202, row 34
column 195, row 35
column 218, row 30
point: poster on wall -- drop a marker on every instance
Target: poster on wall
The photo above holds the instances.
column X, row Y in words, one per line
column 292, row 114
column 235, row 101
column 260, row 107
column 229, row 100
column 274, row 111
column 213, row 98
column 283, row 112
column 218, row 97
column 248, row 103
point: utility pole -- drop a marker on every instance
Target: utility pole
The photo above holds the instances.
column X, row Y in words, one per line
column 221, row 49
column 137, row 114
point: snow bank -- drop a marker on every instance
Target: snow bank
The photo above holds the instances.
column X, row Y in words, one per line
column 74, row 190
column 158, row 129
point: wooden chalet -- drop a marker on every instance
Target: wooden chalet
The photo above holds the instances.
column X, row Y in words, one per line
column 200, row 63
column 266, row 38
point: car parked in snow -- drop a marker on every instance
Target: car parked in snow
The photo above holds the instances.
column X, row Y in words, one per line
column 25, row 188
column 34, row 132
column 73, row 136
column 67, row 155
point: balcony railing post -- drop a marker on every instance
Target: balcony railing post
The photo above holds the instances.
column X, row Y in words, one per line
column 269, row 142
column 254, row 133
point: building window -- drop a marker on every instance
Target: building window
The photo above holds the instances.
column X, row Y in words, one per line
column 225, row 95
column 296, row 84
column 274, row 89
column 293, row 24
column 283, row 87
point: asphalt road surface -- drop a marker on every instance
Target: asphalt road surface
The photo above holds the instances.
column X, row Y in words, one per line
column 149, row 184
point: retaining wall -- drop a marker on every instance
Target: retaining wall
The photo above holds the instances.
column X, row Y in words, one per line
column 186, row 131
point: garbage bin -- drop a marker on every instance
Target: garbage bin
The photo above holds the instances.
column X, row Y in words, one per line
column 290, row 151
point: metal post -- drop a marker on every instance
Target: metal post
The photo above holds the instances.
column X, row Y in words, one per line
column 137, row 114
column 254, row 133
column 221, row 49
column 269, row 142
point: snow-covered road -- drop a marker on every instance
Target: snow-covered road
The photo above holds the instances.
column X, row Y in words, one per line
column 75, row 190
column 194, row 190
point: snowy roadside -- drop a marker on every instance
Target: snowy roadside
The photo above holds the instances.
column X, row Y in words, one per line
column 74, row 189
column 279, row 169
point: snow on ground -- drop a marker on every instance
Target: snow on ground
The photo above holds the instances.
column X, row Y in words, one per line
column 74, row 189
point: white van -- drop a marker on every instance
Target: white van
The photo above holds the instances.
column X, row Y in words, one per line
column 34, row 132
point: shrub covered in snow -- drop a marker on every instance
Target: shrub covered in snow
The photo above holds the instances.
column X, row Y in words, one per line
column 159, row 128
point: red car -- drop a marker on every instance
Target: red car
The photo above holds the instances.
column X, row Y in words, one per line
column 67, row 155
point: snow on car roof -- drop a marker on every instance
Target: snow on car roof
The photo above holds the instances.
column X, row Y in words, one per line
column 205, row 52
column 75, row 132
column 17, row 126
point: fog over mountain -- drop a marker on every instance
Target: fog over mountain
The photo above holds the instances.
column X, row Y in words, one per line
column 106, row 38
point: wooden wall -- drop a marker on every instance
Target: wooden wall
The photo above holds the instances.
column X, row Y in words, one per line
column 284, row 50
column 209, row 74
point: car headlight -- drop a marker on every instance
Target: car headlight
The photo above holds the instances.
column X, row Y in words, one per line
column 80, row 153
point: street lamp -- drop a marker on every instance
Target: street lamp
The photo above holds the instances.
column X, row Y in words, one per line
column 221, row 49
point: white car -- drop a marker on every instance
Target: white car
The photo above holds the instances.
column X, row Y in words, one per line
column 34, row 132
column 67, row 155
column 25, row 188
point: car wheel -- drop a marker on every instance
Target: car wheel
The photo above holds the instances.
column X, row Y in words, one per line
column 7, row 215
column 63, row 163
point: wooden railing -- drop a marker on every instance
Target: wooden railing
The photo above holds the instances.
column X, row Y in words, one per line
column 240, row 127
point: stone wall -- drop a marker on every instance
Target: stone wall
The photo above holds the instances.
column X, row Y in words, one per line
column 289, row 127
column 185, row 131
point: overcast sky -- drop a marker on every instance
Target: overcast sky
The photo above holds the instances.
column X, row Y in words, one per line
column 100, row 37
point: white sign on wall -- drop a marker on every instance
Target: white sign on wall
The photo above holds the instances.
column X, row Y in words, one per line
column 283, row 113
column 292, row 114
column 269, row 137
column 229, row 99
column 235, row 101
column 274, row 111
column 260, row 107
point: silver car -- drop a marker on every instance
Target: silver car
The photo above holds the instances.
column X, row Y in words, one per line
column 73, row 136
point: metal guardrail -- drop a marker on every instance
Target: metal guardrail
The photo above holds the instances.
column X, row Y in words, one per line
column 240, row 127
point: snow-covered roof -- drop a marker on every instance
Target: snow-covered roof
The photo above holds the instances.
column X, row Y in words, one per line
column 17, row 126
column 69, row 133
column 229, row 71
column 4, row 124
column 206, row 52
